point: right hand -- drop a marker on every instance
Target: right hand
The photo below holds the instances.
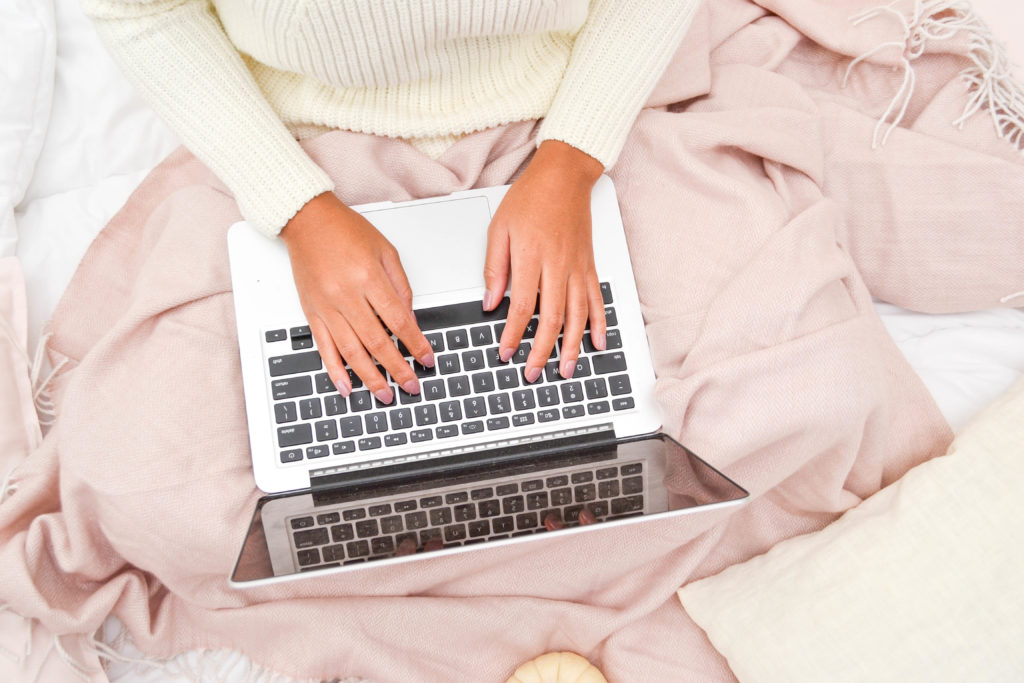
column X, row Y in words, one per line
column 347, row 274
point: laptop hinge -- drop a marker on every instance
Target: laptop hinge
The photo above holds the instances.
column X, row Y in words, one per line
column 498, row 450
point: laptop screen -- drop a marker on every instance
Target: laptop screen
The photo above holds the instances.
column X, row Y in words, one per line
column 410, row 512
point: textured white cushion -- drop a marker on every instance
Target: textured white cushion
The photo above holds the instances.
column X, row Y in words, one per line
column 29, row 38
column 923, row 581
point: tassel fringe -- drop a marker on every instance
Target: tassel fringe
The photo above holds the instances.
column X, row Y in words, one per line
column 990, row 82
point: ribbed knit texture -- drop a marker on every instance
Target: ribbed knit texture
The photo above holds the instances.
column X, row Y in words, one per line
column 239, row 79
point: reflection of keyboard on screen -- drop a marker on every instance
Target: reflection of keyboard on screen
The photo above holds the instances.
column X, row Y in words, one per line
column 462, row 515
column 469, row 391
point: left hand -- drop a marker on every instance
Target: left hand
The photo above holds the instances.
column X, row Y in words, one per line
column 541, row 234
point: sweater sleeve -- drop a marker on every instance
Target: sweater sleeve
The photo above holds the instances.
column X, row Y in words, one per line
column 618, row 57
column 177, row 54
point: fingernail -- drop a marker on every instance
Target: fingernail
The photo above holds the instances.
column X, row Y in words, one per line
column 427, row 361
column 600, row 341
column 411, row 387
column 532, row 374
column 488, row 300
column 384, row 395
column 553, row 522
column 342, row 386
column 568, row 366
column 587, row 517
column 506, row 355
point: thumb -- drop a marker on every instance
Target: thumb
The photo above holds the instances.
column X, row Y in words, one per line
column 496, row 266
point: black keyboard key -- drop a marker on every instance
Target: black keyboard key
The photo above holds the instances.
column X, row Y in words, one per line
column 605, row 363
column 483, row 382
column 342, row 532
column 561, row 496
column 595, row 388
column 459, row 315
column 458, row 386
column 376, row 423
column 493, row 359
column 308, row 557
column 351, row 427
column 623, row 403
column 294, row 435
column 522, row 353
column 448, row 364
column 481, row 335
column 499, row 404
column 311, row 537
column 502, row 525
column 548, row 415
column 356, row 513
column 480, row 527
column 547, row 396
column 450, row 411
column 475, row 407
column 496, row 423
column 328, row 518
column 572, row 392
column 433, row 390
column 423, row 371
column 584, row 493
column 473, row 360
column 436, row 340
column 631, row 485
column 611, row 319
column 455, row 532
column 334, row 405
column 319, row 451
column 489, row 508
column 430, row 502
column 581, row 477
column 421, row 435
column 416, row 520
column 621, row 506
column 382, row 546
column 456, row 497
column 285, row 412
column 405, row 505
column 632, row 468
column 310, row 408
column 360, row 401
column 343, row 447
column 599, row 408
column 275, row 335
column 481, row 494
column 369, row 443
column 391, row 525
column 353, row 379
column 557, row 480
column 401, row 418
column 526, row 520
column 508, row 378
column 551, row 372
column 334, row 553
column 513, row 505
column 291, row 387
column 367, row 528
column 440, row 516
column 425, row 415
column 608, row 473
column 523, row 419
column 613, row 340
column 506, row 489
column 606, row 293
column 357, row 548
column 531, row 328
column 301, row 523
column 474, row 427
column 537, row 500
column 324, row 385
column 572, row 411
column 446, row 431
column 457, row 339
column 619, row 385
column 608, row 488
column 294, row 363
column 395, row 439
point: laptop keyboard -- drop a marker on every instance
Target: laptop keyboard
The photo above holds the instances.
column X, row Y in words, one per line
column 468, row 391
column 453, row 516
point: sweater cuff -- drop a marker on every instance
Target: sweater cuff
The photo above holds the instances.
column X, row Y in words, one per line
column 617, row 59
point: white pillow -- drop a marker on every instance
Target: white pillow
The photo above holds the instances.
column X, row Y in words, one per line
column 29, row 40
column 923, row 581
column 19, row 425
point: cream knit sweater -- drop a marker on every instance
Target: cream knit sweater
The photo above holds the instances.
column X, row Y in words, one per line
column 239, row 79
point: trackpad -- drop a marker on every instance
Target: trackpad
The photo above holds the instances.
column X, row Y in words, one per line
column 442, row 244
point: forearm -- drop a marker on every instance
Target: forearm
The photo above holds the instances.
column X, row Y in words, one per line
column 178, row 56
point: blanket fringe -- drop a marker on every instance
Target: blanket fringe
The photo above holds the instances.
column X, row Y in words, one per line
column 991, row 85
column 26, row 649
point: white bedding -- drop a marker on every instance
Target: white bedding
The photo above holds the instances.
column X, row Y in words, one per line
column 75, row 140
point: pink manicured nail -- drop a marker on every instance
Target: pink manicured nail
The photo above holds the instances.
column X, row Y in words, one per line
column 568, row 367
column 488, row 300
column 506, row 355
column 411, row 387
column 600, row 341
column 384, row 395
column 427, row 361
column 342, row 386
column 532, row 374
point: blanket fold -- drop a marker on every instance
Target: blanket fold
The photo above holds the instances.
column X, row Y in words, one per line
column 760, row 223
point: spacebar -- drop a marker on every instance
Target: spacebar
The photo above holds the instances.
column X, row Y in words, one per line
column 452, row 315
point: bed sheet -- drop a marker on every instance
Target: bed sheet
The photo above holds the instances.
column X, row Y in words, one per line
column 99, row 140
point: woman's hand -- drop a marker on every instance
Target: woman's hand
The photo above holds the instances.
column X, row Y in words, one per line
column 347, row 274
column 541, row 234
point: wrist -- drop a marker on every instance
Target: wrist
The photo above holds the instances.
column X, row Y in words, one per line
column 568, row 162
column 316, row 212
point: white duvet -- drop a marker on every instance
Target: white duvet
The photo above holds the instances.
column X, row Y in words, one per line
column 75, row 140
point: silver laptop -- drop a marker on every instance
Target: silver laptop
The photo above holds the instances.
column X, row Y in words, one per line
column 480, row 456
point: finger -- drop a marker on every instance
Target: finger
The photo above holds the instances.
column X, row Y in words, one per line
column 496, row 265
column 552, row 315
column 586, row 516
column 352, row 349
column 553, row 521
column 595, row 302
column 329, row 353
column 575, row 322
column 382, row 347
column 406, row 547
column 399, row 319
column 525, row 279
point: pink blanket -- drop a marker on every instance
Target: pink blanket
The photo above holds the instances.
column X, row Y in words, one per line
column 760, row 222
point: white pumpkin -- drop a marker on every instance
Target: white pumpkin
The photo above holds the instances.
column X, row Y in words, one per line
column 557, row 667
